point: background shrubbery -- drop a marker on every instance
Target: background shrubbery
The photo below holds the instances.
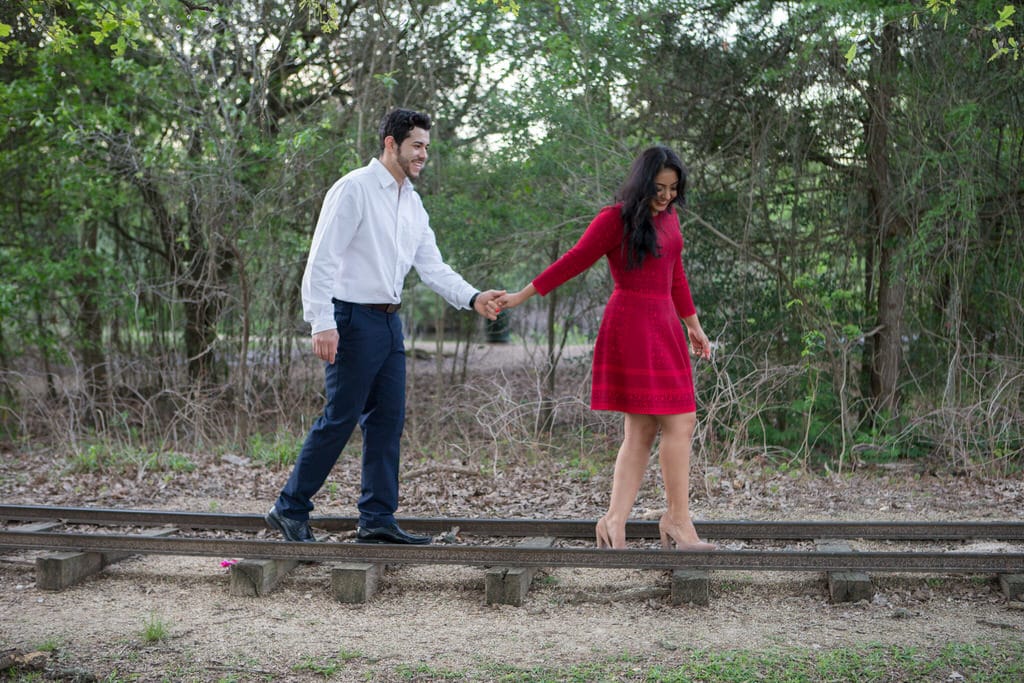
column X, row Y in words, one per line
column 853, row 230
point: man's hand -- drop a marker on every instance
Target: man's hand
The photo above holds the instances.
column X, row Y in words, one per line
column 325, row 345
column 482, row 301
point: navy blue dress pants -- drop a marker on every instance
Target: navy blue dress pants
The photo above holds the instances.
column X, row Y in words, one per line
column 366, row 386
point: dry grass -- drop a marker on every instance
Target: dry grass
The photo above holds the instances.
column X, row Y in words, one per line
column 751, row 409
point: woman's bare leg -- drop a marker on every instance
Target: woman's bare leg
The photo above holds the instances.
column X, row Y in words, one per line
column 674, row 456
column 630, row 464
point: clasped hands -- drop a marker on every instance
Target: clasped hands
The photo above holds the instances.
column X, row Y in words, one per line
column 484, row 304
column 325, row 343
column 506, row 300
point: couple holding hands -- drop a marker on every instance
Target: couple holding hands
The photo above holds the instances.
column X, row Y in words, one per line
column 373, row 229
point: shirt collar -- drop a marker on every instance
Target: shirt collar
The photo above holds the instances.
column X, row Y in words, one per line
column 384, row 175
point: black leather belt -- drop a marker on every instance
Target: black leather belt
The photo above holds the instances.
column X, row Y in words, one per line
column 387, row 308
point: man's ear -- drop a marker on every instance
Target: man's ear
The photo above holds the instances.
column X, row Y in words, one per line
column 390, row 144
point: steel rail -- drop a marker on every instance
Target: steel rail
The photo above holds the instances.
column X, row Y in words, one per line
column 560, row 528
column 944, row 562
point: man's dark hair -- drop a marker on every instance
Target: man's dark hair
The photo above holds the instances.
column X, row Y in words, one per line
column 398, row 123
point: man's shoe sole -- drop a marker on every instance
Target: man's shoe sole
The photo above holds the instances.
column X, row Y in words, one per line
column 383, row 542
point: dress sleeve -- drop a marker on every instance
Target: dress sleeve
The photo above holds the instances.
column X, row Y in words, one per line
column 681, row 291
column 602, row 235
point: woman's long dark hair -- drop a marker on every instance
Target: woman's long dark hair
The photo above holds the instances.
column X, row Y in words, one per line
column 639, row 239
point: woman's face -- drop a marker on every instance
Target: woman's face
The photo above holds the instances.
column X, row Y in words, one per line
column 666, row 187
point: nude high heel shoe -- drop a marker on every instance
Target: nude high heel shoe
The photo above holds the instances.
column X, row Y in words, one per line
column 604, row 540
column 667, row 529
column 607, row 536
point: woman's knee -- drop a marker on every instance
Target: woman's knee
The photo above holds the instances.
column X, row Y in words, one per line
column 641, row 429
column 678, row 426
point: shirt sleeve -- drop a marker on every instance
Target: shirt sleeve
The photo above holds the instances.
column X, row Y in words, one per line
column 602, row 235
column 681, row 296
column 340, row 217
column 438, row 275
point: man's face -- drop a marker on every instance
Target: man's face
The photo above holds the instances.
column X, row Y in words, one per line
column 412, row 153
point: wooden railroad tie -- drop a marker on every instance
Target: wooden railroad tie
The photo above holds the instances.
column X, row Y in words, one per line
column 57, row 571
column 845, row 586
column 509, row 585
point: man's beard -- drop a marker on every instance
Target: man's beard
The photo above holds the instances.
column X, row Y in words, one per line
column 406, row 166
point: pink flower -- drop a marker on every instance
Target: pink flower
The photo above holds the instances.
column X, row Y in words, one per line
column 228, row 564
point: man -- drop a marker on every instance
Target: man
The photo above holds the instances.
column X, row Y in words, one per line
column 372, row 229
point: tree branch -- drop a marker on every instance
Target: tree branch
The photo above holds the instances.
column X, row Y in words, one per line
column 192, row 7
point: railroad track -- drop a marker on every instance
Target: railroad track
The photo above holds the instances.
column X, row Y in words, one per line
column 944, row 561
column 561, row 528
column 565, row 528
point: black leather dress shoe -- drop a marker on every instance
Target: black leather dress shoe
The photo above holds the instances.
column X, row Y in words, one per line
column 389, row 534
column 291, row 529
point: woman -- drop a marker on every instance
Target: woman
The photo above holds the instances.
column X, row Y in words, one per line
column 641, row 361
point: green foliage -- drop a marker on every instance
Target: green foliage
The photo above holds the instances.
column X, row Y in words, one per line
column 106, row 458
column 868, row 663
column 279, row 450
column 419, row 672
column 116, row 25
column 326, row 14
column 52, row 644
column 1004, row 45
column 584, row 468
column 328, row 667
column 510, row 6
column 991, row 20
column 155, row 630
column 162, row 181
column 805, row 427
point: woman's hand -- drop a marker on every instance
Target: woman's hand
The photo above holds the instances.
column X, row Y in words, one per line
column 514, row 299
column 700, row 345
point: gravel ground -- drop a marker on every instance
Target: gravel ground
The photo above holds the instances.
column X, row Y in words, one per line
column 427, row 622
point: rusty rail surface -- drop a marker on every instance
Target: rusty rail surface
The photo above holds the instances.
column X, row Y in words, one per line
column 560, row 528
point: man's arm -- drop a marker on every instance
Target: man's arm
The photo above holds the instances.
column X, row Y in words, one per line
column 340, row 216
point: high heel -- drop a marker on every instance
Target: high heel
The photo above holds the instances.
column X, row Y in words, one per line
column 601, row 534
column 608, row 536
column 667, row 529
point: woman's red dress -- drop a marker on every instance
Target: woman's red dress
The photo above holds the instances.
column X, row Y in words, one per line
column 641, row 356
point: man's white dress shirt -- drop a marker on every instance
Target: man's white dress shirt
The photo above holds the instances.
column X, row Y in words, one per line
column 370, row 233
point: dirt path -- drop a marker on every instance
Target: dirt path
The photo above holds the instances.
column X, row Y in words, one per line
column 433, row 620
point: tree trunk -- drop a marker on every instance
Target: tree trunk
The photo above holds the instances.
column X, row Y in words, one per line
column 198, row 283
column 547, row 404
column 888, row 352
column 890, row 228
column 89, row 325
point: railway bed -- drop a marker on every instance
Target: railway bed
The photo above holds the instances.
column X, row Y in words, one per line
column 357, row 568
